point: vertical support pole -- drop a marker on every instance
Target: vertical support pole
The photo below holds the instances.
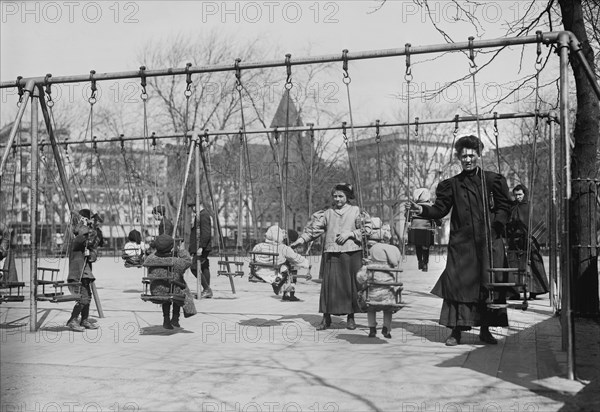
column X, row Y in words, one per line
column 554, row 278
column 184, row 185
column 568, row 327
column 15, row 127
column 197, row 220
column 33, row 190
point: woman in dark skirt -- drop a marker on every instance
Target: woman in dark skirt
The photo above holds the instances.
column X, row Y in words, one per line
column 344, row 227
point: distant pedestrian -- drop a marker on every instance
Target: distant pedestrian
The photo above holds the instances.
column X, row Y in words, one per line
column 165, row 225
column 421, row 231
column 519, row 238
column 201, row 246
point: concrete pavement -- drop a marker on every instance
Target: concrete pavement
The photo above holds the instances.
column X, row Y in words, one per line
column 250, row 351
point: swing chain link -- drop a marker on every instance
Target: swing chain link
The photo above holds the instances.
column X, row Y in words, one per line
column 20, row 90
column 346, row 79
column 377, row 135
column 416, row 127
column 188, row 81
column 121, row 136
column 92, row 99
column 95, row 144
column 288, row 65
column 276, row 135
column 143, row 94
column 495, row 129
column 238, row 75
column 48, row 90
column 455, row 132
column 344, row 133
column 538, row 60
column 408, row 76
column 472, row 65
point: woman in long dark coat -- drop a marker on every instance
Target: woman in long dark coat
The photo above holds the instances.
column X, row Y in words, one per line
column 344, row 227
column 462, row 285
column 518, row 236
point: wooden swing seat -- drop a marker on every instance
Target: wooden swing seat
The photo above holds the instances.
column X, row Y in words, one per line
column 171, row 296
column 13, row 290
column 371, row 282
column 226, row 270
column 515, row 278
column 57, row 295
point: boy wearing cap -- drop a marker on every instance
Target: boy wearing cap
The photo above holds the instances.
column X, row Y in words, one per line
column 81, row 255
column 157, row 263
column 200, row 247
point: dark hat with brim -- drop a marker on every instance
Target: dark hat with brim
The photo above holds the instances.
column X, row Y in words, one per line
column 164, row 245
column 85, row 213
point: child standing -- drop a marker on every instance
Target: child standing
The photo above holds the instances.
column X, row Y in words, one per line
column 384, row 254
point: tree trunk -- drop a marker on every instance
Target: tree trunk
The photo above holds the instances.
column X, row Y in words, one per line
column 582, row 225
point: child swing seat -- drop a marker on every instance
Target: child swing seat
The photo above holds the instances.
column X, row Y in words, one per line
column 160, row 286
column 380, row 287
column 10, row 291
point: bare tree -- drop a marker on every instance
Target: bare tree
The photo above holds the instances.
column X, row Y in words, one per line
column 581, row 18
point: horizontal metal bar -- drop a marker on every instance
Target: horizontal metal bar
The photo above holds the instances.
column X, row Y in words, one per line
column 546, row 38
column 459, row 119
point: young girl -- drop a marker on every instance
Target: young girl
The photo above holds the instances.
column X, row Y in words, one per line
column 383, row 254
column 134, row 250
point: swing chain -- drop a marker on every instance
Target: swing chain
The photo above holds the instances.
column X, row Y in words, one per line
column 122, row 140
column 20, row 90
column 188, row 81
column 496, row 132
column 416, row 127
column 153, row 140
column 346, row 79
column 455, row 132
column 472, row 65
column 238, row 75
column 92, row 99
column 144, row 94
column 95, row 144
column 276, row 135
column 344, row 133
column 408, row 76
column 538, row 60
column 377, row 135
column 206, row 139
column 48, row 90
column 288, row 65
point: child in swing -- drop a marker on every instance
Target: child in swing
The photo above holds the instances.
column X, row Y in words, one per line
column 134, row 250
column 275, row 238
column 384, row 254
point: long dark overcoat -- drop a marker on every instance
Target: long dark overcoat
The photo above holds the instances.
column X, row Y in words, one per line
column 77, row 258
column 465, row 276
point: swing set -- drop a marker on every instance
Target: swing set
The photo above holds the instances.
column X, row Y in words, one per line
column 32, row 88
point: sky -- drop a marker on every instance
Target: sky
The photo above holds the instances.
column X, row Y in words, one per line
column 73, row 37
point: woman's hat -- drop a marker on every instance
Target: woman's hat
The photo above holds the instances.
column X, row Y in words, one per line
column 85, row 213
column 164, row 245
column 346, row 188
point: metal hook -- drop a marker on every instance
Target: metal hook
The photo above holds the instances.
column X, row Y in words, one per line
column 121, row 136
column 288, row 65
column 496, row 133
column 311, row 131
column 92, row 98
column 408, row 73
column 143, row 95
column 276, row 134
column 95, row 144
column 472, row 63
column 456, row 125
column 238, row 74
column 377, row 136
column 416, row 126
column 188, row 80
column 153, row 140
column 346, row 78
column 344, row 131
